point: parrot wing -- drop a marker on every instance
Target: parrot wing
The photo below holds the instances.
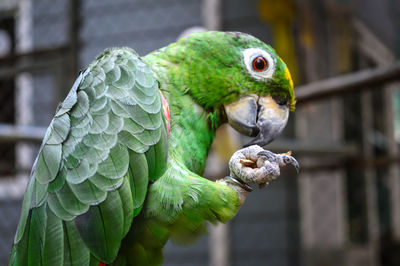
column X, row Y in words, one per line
column 108, row 139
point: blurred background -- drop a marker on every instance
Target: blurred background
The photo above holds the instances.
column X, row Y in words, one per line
column 344, row 206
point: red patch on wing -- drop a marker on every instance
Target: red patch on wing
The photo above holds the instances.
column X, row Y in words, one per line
column 166, row 111
column 102, row 264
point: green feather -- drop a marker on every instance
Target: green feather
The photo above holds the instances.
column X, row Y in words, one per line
column 81, row 175
column 36, row 238
column 102, row 227
column 53, row 250
column 104, row 183
column 75, row 251
column 88, row 193
column 138, row 173
column 126, row 196
column 48, row 163
column 116, row 165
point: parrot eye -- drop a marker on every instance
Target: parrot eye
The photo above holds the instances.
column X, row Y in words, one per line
column 259, row 63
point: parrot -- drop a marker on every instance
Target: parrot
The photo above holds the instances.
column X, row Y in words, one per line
column 119, row 171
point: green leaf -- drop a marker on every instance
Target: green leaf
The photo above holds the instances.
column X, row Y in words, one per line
column 116, row 165
column 48, row 163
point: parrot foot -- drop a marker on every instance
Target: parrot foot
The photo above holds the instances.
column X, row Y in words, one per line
column 254, row 165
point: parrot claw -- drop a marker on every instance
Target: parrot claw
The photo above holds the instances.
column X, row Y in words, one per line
column 283, row 159
column 254, row 165
column 287, row 159
column 268, row 154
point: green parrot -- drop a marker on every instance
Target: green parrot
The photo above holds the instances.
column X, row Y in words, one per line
column 119, row 170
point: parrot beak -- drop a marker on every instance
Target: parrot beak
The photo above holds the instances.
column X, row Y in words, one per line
column 259, row 117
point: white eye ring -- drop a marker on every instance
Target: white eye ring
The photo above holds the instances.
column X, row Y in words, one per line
column 250, row 54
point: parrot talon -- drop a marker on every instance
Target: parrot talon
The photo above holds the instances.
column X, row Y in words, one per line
column 287, row 159
column 254, row 165
column 268, row 154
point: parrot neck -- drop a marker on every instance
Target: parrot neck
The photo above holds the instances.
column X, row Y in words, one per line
column 192, row 126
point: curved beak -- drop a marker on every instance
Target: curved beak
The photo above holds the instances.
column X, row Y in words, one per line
column 259, row 117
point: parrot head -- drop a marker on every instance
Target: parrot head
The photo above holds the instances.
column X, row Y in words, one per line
column 240, row 75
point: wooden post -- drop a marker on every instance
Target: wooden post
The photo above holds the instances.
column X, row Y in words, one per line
column 23, row 98
column 370, row 179
column 211, row 14
column 74, row 44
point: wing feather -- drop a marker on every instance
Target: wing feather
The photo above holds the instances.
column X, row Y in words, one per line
column 92, row 173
